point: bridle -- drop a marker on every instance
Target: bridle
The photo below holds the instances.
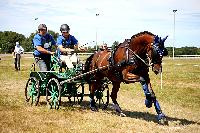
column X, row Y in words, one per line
column 158, row 50
column 157, row 53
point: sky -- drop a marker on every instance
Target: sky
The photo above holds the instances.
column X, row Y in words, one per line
column 117, row 19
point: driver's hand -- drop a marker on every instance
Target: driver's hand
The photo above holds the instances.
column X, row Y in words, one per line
column 70, row 50
column 52, row 53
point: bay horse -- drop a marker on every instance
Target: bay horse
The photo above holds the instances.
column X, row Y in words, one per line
column 129, row 63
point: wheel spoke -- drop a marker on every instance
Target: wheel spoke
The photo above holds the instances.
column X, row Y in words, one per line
column 31, row 91
column 54, row 94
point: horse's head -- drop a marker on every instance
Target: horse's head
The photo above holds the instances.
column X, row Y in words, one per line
column 132, row 55
column 156, row 52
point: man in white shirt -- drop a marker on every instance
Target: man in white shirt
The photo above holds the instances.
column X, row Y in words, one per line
column 17, row 55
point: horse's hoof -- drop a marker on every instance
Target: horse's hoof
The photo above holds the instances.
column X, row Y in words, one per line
column 117, row 108
column 122, row 114
column 104, row 107
column 162, row 120
column 94, row 109
column 148, row 103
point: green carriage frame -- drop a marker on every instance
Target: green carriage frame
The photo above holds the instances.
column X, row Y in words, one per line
column 51, row 85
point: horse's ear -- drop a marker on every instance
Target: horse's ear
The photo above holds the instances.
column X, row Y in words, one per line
column 163, row 40
column 156, row 39
column 160, row 39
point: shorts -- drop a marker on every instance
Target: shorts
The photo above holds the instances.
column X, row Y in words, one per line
column 69, row 60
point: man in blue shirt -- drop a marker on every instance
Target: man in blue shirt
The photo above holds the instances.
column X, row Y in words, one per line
column 66, row 44
column 42, row 43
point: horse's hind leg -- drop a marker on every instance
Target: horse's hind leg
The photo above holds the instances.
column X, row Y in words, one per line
column 151, row 98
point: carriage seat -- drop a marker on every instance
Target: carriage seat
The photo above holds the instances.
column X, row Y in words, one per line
column 57, row 63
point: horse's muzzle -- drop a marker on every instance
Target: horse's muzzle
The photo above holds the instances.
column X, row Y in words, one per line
column 157, row 69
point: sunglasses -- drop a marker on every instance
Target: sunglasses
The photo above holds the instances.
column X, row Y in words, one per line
column 64, row 32
column 43, row 29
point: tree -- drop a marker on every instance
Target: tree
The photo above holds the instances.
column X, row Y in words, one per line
column 8, row 40
column 170, row 51
column 116, row 43
column 90, row 49
column 27, row 43
column 189, row 50
column 54, row 34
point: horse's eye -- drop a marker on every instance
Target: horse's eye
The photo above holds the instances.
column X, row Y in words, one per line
column 165, row 52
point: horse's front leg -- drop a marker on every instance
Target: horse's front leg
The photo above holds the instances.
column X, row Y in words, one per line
column 115, row 89
column 151, row 98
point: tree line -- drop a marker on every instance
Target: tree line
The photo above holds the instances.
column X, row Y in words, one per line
column 9, row 38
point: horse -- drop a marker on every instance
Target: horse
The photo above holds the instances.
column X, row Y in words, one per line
column 129, row 62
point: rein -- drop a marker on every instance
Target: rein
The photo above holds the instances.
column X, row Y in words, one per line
column 148, row 65
column 136, row 55
column 83, row 74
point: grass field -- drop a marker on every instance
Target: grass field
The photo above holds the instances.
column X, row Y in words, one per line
column 179, row 99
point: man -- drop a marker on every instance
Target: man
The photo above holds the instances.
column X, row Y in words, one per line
column 17, row 55
column 66, row 44
column 43, row 43
column 103, row 47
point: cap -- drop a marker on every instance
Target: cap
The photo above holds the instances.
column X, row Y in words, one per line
column 42, row 26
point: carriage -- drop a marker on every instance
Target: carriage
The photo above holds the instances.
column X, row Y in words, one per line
column 128, row 63
column 61, row 82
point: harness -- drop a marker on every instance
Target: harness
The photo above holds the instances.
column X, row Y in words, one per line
column 131, row 57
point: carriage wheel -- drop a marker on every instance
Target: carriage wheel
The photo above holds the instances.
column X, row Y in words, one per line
column 53, row 93
column 32, row 92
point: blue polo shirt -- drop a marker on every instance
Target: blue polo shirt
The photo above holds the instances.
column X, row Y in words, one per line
column 66, row 42
column 45, row 42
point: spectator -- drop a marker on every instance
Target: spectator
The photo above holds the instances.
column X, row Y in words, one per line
column 17, row 55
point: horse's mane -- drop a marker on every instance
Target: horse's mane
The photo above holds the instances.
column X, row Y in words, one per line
column 134, row 36
column 142, row 33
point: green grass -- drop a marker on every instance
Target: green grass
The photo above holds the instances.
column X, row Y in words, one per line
column 181, row 80
column 181, row 83
column 181, row 91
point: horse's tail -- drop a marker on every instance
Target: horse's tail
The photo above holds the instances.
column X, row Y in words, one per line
column 88, row 67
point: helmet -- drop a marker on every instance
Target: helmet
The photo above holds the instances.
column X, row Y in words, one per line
column 64, row 27
column 17, row 43
column 42, row 26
